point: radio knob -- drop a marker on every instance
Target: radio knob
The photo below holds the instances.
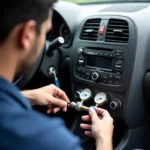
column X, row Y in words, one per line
column 95, row 76
column 80, row 51
column 77, row 94
column 115, row 104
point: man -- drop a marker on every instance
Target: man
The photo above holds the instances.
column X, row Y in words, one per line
column 23, row 28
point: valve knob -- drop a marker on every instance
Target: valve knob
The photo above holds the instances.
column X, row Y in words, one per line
column 115, row 104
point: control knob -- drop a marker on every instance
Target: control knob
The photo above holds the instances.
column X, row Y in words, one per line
column 77, row 94
column 95, row 76
column 115, row 104
column 80, row 50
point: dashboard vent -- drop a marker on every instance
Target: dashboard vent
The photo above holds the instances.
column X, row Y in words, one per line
column 90, row 30
column 117, row 31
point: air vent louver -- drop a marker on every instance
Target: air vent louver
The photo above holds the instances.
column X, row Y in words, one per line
column 117, row 31
column 90, row 30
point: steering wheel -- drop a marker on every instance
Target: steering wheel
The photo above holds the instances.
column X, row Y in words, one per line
column 22, row 80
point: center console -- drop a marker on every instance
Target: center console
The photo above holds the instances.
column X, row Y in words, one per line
column 102, row 60
column 103, row 68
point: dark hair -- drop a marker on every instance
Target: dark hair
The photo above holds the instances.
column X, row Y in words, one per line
column 13, row 12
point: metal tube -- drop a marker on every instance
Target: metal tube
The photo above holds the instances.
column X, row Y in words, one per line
column 84, row 108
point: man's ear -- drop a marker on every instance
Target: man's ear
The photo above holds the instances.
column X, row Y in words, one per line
column 27, row 35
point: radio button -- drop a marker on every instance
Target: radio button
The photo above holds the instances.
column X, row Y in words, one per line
column 119, row 51
column 105, row 54
column 110, row 76
column 104, row 75
column 95, row 53
column 95, row 76
column 105, row 81
column 100, row 54
column 78, row 70
column 118, row 54
column 120, row 57
column 80, row 62
column 117, row 82
column 117, row 77
column 111, row 55
column 90, row 53
column 80, row 50
column 110, row 81
column 118, row 66
column 119, row 62
column 87, row 73
column 80, row 57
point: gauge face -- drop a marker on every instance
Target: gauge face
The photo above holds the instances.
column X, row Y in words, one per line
column 85, row 94
column 100, row 98
column 65, row 33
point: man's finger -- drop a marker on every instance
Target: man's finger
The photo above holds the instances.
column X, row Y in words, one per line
column 93, row 114
column 65, row 109
column 88, row 133
column 57, row 102
column 55, row 110
column 49, row 106
column 85, row 126
column 49, row 111
column 102, row 112
column 62, row 95
column 86, row 118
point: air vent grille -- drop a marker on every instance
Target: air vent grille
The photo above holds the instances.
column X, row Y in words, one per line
column 90, row 30
column 117, row 31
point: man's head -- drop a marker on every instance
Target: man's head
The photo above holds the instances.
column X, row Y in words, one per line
column 23, row 28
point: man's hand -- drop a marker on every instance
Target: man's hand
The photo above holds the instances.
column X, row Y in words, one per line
column 101, row 128
column 50, row 95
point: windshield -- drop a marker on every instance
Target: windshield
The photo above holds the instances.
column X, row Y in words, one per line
column 92, row 1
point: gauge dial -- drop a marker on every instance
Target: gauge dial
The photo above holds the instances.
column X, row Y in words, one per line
column 85, row 94
column 100, row 98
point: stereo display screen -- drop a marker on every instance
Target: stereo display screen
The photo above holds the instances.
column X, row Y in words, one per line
column 99, row 62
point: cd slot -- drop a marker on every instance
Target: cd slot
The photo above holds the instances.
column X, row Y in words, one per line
column 99, row 49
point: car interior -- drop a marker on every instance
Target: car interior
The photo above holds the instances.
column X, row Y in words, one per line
column 100, row 53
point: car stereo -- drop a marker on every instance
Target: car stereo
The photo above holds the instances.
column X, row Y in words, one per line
column 103, row 65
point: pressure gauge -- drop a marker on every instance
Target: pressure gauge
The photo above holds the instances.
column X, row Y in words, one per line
column 85, row 94
column 100, row 98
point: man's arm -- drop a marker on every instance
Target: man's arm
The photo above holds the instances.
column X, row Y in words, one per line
column 30, row 130
column 106, row 144
column 50, row 95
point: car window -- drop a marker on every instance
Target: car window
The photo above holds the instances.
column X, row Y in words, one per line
column 102, row 1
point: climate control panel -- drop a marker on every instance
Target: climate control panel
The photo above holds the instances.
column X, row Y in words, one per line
column 99, row 76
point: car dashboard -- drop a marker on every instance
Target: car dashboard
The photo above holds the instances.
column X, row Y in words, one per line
column 107, row 52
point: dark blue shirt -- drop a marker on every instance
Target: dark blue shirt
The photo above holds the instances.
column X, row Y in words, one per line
column 22, row 128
